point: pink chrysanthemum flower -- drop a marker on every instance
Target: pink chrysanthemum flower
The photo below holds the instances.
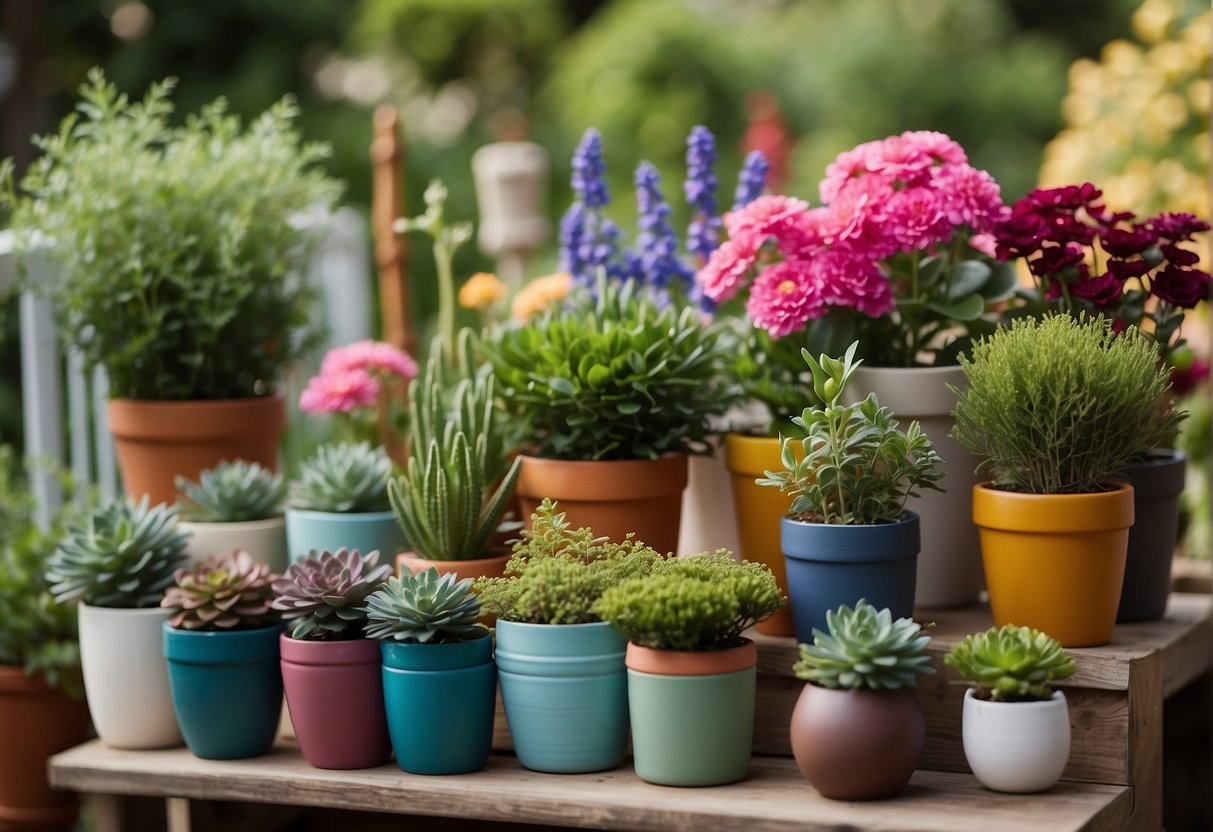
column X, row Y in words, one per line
column 857, row 283
column 369, row 356
column 339, row 391
column 916, row 219
column 785, row 297
column 942, row 148
column 727, row 266
column 768, row 216
column 970, row 197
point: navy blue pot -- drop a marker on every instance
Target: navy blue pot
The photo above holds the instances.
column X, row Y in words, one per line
column 227, row 690
column 830, row 565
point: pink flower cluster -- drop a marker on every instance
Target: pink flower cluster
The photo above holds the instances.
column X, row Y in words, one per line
column 350, row 376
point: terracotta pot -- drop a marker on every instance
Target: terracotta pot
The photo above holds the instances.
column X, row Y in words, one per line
column 493, row 567
column 264, row 540
column 36, row 721
column 1055, row 562
column 857, row 744
column 1158, row 483
column 612, row 498
column 157, row 440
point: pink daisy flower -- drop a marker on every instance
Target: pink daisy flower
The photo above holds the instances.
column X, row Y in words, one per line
column 339, row 391
column 369, row 356
column 785, row 297
column 942, row 148
column 916, row 219
column 727, row 266
column 970, row 197
column 770, row 215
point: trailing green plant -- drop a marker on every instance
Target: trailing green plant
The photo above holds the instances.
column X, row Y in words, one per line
column 324, row 596
column 231, row 492
column 858, row 467
column 1058, row 405
column 223, row 592
column 613, row 376
column 345, row 477
column 1011, row 664
column 177, row 265
column 123, row 555
column 702, row 602
column 557, row 574
column 865, row 648
column 426, row 608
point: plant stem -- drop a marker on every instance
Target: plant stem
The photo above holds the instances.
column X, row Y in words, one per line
column 443, row 255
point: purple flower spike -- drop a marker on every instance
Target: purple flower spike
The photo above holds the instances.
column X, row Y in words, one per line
column 752, row 179
column 700, row 190
column 657, row 245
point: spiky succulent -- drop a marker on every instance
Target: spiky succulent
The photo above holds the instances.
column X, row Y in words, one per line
column 231, row 492
column 224, row 592
column 865, row 648
column 124, row 556
column 325, row 595
column 426, row 608
column 1014, row 664
column 344, row 477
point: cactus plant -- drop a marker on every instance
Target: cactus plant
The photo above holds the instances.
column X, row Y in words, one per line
column 224, row 592
column 1011, row 664
column 344, row 477
column 325, row 595
column 231, row 492
column 426, row 608
column 865, row 648
column 123, row 556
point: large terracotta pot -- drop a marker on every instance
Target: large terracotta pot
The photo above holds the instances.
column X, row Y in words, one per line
column 1158, row 483
column 264, row 540
column 613, row 497
column 1055, row 562
column 36, row 721
column 157, row 440
column 493, row 567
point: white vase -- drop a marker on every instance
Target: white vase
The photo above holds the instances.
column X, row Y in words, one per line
column 264, row 540
column 126, row 676
column 1016, row 746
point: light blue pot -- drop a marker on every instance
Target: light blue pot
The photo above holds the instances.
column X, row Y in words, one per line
column 320, row 531
column 565, row 693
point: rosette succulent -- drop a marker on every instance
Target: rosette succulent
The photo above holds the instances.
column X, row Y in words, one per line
column 1011, row 664
column 345, row 477
column 224, row 592
column 325, row 595
column 231, row 492
column 427, row 608
column 865, row 648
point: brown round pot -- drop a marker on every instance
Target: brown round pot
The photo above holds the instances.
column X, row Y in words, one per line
column 158, row 440
column 36, row 721
column 612, row 497
column 857, row 744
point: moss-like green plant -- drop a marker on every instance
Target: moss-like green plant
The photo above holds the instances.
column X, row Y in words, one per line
column 557, row 574
column 865, row 648
column 1011, row 664
column 345, row 477
column 1058, row 406
column 426, row 608
column 231, row 492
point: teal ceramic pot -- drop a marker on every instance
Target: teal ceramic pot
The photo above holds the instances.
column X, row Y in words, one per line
column 440, row 700
column 329, row 531
column 227, row 690
column 830, row 565
column 565, row 693
column 690, row 727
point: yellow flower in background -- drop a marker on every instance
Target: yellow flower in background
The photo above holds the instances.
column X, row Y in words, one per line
column 481, row 291
column 540, row 294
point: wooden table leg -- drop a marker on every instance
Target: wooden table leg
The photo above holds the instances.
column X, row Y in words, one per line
column 177, row 811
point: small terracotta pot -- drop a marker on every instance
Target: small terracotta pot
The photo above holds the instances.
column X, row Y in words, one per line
column 493, row 567
column 857, row 744
column 157, row 440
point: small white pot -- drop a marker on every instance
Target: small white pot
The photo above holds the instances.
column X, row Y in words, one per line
column 264, row 540
column 126, row 676
column 1016, row 746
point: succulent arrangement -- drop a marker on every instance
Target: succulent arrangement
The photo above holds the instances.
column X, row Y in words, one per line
column 426, row 608
column 343, row 477
column 224, row 592
column 865, row 648
column 324, row 596
column 232, row 492
column 1011, row 664
column 124, row 555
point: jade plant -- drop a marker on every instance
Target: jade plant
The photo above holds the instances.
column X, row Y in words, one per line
column 324, row 596
column 865, row 648
column 1011, row 664
column 345, row 477
column 231, row 492
column 224, row 592
column 425, row 608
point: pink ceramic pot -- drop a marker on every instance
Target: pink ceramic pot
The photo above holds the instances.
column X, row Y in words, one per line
column 334, row 691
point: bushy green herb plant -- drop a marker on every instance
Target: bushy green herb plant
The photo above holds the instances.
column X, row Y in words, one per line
column 858, row 467
column 426, row 608
column 231, row 492
column 345, row 477
column 865, row 648
column 223, row 592
column 1011, row 664
column 703, row 602
column 177, row 266
column 1059, row 405
column 557, row 574
column 324, row 596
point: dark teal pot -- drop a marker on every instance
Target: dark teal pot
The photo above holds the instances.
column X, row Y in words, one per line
column 565, row 692
column 440, row 701
column 227, row 690
column 830, row 565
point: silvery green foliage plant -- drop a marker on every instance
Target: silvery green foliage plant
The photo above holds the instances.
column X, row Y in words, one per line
column 426, row 608
column 324, row 596
column 344, row 477
column 865, row 648
column 231, row 492
column 856, row 466
column 1011, row 664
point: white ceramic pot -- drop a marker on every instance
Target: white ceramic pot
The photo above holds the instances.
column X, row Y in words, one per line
column 708, row 520
column 264, row 540
column 126, row 676
column 1016, row 746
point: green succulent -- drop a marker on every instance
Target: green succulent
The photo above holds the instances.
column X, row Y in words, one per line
column 346, row 477
column 231, row 492
column 324, row 596
column 1013, row 664
column 223, row 592
column 123, row 556
column 865, row 648
column 427, row 608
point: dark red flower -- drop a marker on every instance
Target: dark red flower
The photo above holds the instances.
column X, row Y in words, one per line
column 1176, row 227
column 1177, row 256
column 1125, row 242
column 1054, row 259
column 1185, row 381
column 1125, row 269
column 1181, row 286
column 1103, row 290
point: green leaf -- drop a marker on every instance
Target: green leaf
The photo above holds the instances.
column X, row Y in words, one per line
column 968, row 277
column 969, row 309
column 562, row 385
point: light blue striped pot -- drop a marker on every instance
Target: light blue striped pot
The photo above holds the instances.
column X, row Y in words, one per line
column 321, row 531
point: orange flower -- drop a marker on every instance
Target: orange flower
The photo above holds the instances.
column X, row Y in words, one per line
column 540, row 294
column 481, row 291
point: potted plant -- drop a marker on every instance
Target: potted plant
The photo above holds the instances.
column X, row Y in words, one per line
column 1057, row 407
column 563, row 681
column 234, row 506
column 115, row 566
column 1015, row 727
column 330, row 671
column 858, row 729
column 848, row 535
column 182, row 277
column 222, row 650
column 339, row 501
column 439, row 680
column 691, row 673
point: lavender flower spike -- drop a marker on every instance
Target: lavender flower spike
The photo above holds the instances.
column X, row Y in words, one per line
column 700, row 190
column 751, row 180
column 588, row 240
column 657, row 245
